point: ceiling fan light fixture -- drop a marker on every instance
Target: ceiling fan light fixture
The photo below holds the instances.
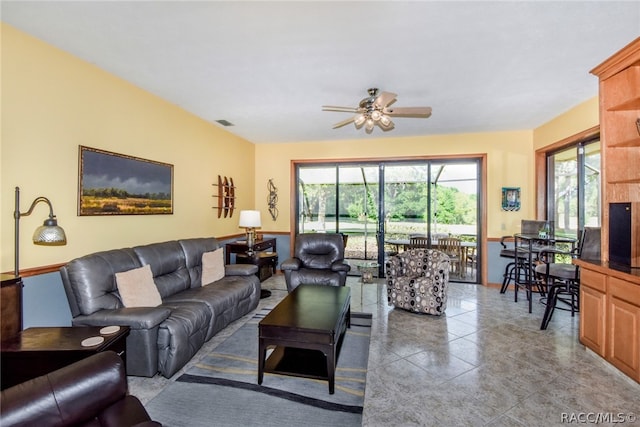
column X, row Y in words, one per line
column 368, row 127
column 375, row 111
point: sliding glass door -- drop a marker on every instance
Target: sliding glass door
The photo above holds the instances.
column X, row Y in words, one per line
column 380, row 205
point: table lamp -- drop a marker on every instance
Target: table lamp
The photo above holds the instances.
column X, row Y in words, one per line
column 250, row 220
column 48, row 234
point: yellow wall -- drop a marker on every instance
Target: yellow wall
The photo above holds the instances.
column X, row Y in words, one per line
column 509, row 158
column 52, row 102
column 580, row 118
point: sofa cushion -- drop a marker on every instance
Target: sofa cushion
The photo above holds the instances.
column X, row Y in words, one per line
column 193, row 250
column 231, row 298
column 212, row 266
column 137, row 289
column 89, row 281
column 168, row 266
column 181, row 335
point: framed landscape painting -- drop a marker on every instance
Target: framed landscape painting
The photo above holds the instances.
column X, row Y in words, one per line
column 116, row 184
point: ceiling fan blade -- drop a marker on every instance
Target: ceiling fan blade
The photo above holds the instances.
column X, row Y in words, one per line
column 343, row 123
column 408, row 112
column 385, row 99
column 386, row 127
column 339, row 109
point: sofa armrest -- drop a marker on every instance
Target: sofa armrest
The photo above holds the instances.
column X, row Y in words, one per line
column 240, row 269
column 134, row 317
column 340, row 266
column 128, row 411
column 291, row 264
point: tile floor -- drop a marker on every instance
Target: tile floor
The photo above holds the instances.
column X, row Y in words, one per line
column 486, row 362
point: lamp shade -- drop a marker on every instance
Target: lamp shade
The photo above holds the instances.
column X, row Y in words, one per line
column 250, row 219
column 50, row 234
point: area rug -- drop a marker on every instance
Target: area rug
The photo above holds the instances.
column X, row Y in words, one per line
column 222, row 388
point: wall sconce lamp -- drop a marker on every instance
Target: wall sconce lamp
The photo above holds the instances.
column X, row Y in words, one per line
column 48, row 234
column 250, row 220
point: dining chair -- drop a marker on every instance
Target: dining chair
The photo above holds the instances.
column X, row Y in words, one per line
column 418, row 242
column 451, row 247
column 563, row 279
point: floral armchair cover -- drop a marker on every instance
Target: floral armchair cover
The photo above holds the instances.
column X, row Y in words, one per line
column 417, row 280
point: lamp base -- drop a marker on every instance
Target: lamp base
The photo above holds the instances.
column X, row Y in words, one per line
column 250, row 241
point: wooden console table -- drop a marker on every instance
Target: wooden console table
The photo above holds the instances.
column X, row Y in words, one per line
column 264, row 256
column 240, row 247
column 39, row 351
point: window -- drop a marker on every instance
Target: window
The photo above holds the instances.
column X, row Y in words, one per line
column 573, row 181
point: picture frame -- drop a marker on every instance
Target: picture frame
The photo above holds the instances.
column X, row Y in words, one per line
column 510, row 198
column 117, row 184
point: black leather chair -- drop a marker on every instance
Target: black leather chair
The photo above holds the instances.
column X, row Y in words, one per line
column 563, row 279
column 91, row 392
column 318, row 259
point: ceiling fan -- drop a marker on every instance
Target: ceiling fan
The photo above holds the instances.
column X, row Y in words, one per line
column 376, row 110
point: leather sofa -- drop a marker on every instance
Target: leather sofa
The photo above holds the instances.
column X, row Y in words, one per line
column 91, row 392
column 163, row 338
column 318, row 259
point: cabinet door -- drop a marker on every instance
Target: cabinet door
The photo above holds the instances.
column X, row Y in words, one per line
column 624, row 327
column 592, row 319
column 11, row 308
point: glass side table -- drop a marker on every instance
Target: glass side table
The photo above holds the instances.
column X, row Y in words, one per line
column 368, row 270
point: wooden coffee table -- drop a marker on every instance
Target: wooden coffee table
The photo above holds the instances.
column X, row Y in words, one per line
column 306, row 329
column 38, row 351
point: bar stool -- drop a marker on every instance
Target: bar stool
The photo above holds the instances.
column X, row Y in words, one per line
column 563, row 280
column 509, row 271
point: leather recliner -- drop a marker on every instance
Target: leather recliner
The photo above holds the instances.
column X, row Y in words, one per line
column 318, row 259
column 91, row 392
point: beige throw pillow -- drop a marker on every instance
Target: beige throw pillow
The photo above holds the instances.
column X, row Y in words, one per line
column 212, row 266
column 137, row 288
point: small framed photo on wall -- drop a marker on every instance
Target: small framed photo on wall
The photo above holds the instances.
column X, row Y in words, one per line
column 510, row 198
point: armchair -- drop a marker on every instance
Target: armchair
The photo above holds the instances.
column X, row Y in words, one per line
column 318, row 259
column 91, row 392
column 417, row 280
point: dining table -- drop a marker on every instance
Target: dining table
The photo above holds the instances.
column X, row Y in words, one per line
column 466, row 248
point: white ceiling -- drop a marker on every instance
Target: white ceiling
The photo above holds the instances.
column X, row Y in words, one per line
column 268, row 67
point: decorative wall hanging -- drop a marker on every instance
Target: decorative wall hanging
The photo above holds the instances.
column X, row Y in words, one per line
column 117, row 184
column 272, row 199
column 510, row 198
column 226, row 196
